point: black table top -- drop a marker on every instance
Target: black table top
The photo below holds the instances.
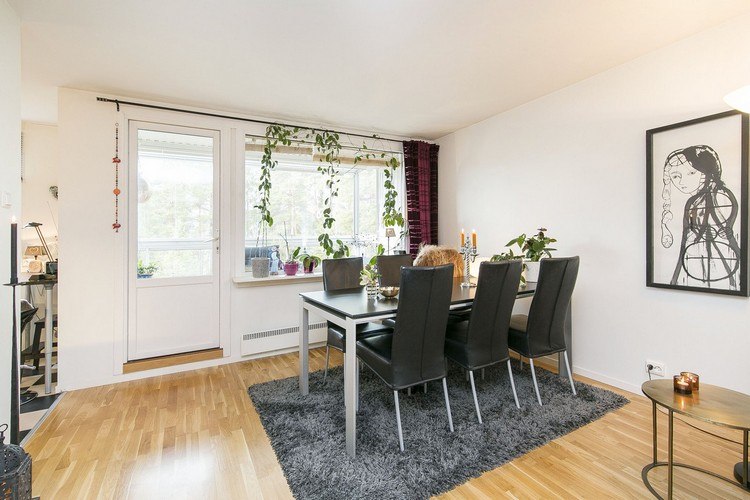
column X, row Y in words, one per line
column 355, row 303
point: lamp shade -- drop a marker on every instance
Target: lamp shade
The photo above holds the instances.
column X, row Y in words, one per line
column 739, row 99
column 34, row 251
column 390, row 232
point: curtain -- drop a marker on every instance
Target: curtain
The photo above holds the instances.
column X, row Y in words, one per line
column 421, row 171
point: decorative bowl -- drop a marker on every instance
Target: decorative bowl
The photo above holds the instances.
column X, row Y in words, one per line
column 388, row 291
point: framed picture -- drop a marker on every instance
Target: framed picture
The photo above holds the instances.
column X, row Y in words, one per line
column 696, row 205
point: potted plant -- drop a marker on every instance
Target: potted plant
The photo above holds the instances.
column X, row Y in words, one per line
column 291, row 264
column 309, row 262
column 369, row 278
column 146, row 271
column 533, row 248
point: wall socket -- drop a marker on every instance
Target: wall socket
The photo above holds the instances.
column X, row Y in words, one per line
column 657, row 368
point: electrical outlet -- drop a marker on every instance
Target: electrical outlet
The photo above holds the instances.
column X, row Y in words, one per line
column 656, row 368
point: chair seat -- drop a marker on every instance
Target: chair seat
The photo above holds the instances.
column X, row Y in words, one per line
column 519, row 322
column 337, row 335
column 390, row 322
column 375, row 352
column 457, row 330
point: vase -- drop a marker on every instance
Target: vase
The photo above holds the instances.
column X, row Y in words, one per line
column 532, row 271
column 291, row 268
column 372, row 290
column 261, row 267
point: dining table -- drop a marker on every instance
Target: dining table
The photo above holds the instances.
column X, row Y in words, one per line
column 348, row 308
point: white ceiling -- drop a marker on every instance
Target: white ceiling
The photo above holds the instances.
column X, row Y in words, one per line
column 419, row 68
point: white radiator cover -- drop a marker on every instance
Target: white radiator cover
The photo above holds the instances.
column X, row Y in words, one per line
column 280, row 338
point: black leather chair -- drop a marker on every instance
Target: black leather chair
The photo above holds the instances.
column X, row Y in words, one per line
column 542, row 332
column 482, row 340
column 390, row 266
column 343, row 274
column 414, row 353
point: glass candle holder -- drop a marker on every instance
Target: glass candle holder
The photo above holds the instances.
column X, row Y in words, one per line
column 693, row 378
column 682, row 385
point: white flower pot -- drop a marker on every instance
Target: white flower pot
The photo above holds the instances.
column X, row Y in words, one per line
column 532, row 271
column 261, row 267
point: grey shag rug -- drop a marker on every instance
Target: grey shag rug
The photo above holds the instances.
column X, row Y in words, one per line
column 307, row 433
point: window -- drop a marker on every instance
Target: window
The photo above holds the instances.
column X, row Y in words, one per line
column 175, row 203
column 298, row 195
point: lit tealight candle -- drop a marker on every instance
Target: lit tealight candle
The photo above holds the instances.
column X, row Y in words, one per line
column 682, row 385
column 692, row 378
column 474, row 238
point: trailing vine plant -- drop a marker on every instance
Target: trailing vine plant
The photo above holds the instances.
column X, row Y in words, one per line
column 329, row 145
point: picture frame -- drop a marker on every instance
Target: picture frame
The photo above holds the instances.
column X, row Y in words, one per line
column 697, row 205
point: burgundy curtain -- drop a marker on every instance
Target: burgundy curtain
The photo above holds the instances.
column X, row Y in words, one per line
column 421, row 171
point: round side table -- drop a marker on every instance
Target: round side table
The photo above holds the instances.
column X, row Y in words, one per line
column 711, row 404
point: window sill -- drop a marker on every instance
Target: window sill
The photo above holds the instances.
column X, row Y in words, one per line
column 247, row 280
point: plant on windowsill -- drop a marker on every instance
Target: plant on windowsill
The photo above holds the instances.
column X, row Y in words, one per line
column 291, row 264
column 309, row 262
column 146, row 271
column 533, row 248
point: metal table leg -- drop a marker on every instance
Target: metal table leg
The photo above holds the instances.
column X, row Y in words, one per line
column 48, row 339
column 304, row 338
column 670, row 456
column 653, row 416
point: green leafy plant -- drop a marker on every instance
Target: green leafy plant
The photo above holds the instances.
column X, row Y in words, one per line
column 534, row 247
column 369, row 276
column 306, row 258
column 380, row 250
column 290, row 256
column 146, row 270
column 509, row 256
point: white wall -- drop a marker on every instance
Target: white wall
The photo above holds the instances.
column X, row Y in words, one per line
column 92, row 256
column 41, row 156
column 10, row 178
column 574, row 162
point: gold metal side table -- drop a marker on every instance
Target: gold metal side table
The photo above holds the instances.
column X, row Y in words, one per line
column 711, row 404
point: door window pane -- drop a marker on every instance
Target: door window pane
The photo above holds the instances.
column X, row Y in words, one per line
column 175, row 203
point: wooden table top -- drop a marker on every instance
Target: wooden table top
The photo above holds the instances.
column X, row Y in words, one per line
column 711, row 403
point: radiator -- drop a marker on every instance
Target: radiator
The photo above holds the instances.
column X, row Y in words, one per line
column 279, row 338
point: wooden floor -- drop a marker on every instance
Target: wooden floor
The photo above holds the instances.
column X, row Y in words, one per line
column 197, row 435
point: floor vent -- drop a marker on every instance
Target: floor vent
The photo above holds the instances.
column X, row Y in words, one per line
column 279, row 331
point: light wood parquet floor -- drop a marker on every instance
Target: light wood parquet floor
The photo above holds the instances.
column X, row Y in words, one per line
column 197, row 435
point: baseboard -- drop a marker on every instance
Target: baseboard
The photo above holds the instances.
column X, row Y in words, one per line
column 620, row 384
column 172, row 360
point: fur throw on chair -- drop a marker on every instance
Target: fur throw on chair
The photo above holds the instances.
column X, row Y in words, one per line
column 433, row 255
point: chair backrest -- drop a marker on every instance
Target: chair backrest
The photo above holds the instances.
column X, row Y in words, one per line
column 549, row 307
column 389, row 267
column 341, row 274
column 27, row 313
column 418, row 350
column 487, row 335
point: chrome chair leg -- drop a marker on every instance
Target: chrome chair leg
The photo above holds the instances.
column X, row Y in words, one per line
column 513, row 384
column 398, row 422
column 424, row 387
column 570, row 373
column 474, row 392
column 328, row 354
column 520, row 362
column 482, row 373
column 448, row 404
column 408, row 391
column 536, row 386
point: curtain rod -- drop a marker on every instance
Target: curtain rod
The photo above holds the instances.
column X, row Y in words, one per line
column 343, row 146
column 252, row 120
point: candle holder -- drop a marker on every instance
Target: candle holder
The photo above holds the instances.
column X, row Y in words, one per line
column 470, row 254
column 682, row 385
column 693, row 378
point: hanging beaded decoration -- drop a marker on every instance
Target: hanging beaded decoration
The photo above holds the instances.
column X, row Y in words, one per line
column 116, row 160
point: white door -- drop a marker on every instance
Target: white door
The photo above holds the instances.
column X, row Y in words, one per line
column 174, row 238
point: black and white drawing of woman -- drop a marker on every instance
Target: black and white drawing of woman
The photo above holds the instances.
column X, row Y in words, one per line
column 709, row 252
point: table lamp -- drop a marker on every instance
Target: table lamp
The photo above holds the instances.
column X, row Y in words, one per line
column 52, row 264
column 390, row 233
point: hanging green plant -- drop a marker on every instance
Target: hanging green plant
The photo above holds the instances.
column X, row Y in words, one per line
column 275, row 134
column 329, row 146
